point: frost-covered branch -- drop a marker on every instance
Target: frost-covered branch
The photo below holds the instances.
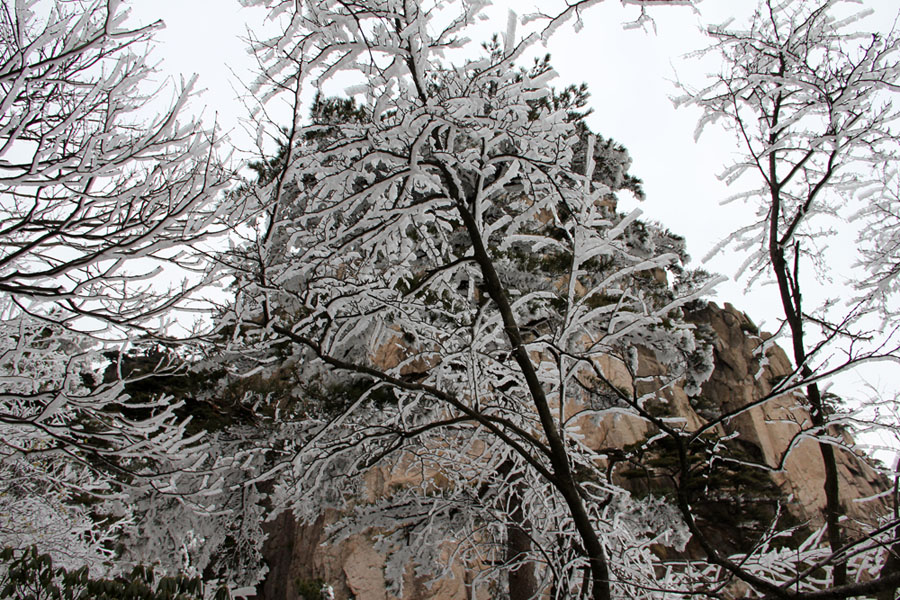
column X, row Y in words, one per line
column 100, row 200
column 811, row 103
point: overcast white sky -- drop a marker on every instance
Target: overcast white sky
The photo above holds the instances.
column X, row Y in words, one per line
column 629, row 73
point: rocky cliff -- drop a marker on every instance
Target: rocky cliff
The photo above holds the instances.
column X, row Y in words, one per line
column 773, row 469
column 775, row 428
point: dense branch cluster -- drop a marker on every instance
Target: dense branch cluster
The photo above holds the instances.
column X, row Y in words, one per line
column 443, row 336
column 97, row 201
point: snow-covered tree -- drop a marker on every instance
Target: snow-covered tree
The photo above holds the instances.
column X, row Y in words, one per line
column 440, row 272
column 98, row 198
column 811, row 103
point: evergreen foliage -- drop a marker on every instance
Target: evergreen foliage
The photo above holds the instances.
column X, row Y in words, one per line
column 28, row 575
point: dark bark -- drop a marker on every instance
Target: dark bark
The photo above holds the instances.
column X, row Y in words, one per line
column 559, row 459
column 891, row 568
column 521, row 579
column 562, row 477
column 787, row 277
column 790, row 298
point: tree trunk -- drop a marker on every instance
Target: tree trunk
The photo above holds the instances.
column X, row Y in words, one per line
column 891, row 566
column 788, row 279
column 564, row 481
column 521, row 578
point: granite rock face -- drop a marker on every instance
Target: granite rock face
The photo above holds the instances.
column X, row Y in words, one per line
column 775, row 427
column 747, row 367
